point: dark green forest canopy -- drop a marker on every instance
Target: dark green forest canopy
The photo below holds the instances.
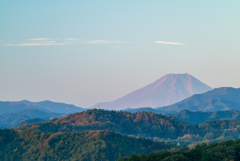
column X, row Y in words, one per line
column 227, row 151
column 145, row 124
column 220, row 125
column 85, row 146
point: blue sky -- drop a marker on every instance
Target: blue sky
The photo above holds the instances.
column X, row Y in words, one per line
column 84, row 52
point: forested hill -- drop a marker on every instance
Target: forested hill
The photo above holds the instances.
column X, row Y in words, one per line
column 228, row 151
column 221, row 125
column 84, row 146
column 200, row 117
column 143, row 124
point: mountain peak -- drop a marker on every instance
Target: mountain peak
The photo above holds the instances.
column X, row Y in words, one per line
column 177, row 74
column 167, row 90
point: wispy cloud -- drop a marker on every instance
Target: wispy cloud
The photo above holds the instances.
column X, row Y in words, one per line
column 39, row 39
column 45, row 43
column 104, row 42
column 72, row 39
column 69, row 41
column 169, row 43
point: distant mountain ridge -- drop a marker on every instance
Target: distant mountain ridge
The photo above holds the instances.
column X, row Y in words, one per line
column 46, row 106
column 26, row 116
column 218, row 99
column 31, row 113
column 29, row 121
column 167, row 90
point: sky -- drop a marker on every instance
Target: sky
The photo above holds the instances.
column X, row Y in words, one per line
column 85, row 52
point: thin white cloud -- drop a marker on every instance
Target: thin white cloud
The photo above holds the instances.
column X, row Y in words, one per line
column 72, row 39
column 169, row 43
column 46, row 43
column 39, row 39
column 104, row 42
column 57, row 41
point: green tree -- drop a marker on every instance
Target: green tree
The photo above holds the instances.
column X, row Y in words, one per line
column 134, row 157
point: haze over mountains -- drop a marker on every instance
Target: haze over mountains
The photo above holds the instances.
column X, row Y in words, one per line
column 13, row 113
column 47, row 106
column 167, row 90
column 28, row 115
column 177, row 91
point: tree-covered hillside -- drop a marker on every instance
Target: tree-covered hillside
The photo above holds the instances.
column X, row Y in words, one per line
column 227, row 151
column 220, row 125
column 143, row 124
column 28, row 145
column 199, row 117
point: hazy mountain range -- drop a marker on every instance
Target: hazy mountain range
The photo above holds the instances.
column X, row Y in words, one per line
column 47, row 106
column 167, row 90
column 25, row 116
column 22, row 112
column 177, row 91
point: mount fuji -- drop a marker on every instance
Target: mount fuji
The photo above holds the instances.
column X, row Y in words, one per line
column 165, row 91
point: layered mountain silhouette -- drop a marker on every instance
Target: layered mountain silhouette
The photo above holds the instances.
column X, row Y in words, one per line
column 167, row 90
column 219, row 99
column 25, row 116
column 47, row 106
